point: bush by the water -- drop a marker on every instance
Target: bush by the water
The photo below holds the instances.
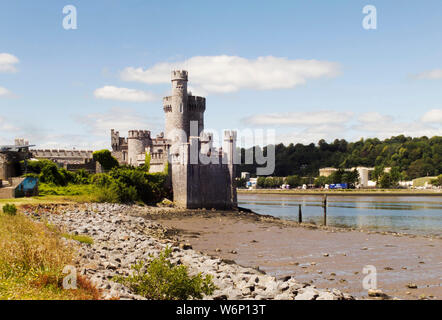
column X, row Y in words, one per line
column 121, row 184
column 10, row 209
column 159, row 279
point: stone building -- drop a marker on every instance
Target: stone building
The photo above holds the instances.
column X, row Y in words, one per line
column 132, row 150
column 10, row 170
column 72, row 160
column 196, row 183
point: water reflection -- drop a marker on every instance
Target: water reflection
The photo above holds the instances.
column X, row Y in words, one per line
column 416, row 215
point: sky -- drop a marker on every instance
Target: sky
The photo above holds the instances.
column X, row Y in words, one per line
column 307, row 69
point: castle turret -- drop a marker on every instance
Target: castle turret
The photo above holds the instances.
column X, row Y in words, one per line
column 176, row 109
column 137, row 141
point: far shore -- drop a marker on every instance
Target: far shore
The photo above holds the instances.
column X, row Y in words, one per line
column 347, row 192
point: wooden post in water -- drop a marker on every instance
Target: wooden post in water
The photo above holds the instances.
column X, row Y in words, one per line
column 300, row 214
column 324, row 204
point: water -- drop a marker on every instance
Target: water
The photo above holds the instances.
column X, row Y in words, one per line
column 409, row 214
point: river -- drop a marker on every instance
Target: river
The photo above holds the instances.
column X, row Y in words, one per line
column 417, row 215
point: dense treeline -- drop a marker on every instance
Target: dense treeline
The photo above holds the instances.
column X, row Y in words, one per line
column 414, row 157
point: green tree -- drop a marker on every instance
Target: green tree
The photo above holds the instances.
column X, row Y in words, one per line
column 320, row 181
column 385, row 180
column 438, row 181
column 377, row 173
column 293, row 180
column 105, row 158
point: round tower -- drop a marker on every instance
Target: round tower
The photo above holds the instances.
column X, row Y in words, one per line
column 137, row 141
column 196, row 106
column 175, row 108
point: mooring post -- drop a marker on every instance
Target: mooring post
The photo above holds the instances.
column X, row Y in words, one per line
column 300, row 214
column 324, row 204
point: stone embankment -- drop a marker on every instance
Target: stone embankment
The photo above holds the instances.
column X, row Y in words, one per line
column 122, row 236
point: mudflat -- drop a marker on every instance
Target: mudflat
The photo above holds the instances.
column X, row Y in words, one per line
column 325, row 257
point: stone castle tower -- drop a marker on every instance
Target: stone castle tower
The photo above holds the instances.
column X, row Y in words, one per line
column 137, row 142
column 180, row 108
column 195, row 184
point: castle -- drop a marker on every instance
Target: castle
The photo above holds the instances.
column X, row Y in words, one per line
column 202, row 176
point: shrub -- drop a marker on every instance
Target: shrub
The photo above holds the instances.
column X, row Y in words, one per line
column 50, row 174
column 108, row 193
column 105, row 158
column 36, row 166
column 134, row 184
column 10, row 209
column 159, row 279
column 147, row 160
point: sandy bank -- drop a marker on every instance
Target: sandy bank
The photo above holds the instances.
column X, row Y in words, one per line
column 325, row 257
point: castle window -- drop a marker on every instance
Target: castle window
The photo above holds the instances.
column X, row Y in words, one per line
column 181, row 107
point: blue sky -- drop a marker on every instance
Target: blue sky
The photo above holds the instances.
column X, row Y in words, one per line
column 305, row 68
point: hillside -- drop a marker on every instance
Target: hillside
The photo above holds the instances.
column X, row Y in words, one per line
column 415, row 157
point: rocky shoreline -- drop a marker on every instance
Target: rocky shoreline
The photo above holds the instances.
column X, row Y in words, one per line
column 123, row 234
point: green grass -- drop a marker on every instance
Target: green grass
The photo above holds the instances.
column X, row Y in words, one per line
column 79, row 238
column 69, row 190
column 32, row 258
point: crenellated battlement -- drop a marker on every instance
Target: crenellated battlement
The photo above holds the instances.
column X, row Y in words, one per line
column 138, row 134
column 179, row 75
column 196, row 104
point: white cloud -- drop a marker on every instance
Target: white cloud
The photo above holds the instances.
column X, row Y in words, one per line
column 384, row 126
column 222, row 74
column 374, row 117
column 433, row 116
column 7, row 62
column 308, row 127
column 430, row 75
column 119, row 119
column 300, row 118
column 4, row 92
column 123, row 94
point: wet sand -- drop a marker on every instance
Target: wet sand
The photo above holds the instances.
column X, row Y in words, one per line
column 327, row 258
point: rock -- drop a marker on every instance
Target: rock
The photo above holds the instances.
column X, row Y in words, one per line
column 122, row 237
column 377, row 293
column 283, row 296
column 412, row 286
column 326, row 296
column 307, row 294
column 185, row 246
column 325, row 254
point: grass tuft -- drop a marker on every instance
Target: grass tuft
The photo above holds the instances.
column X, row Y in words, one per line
column 32, row 258
column 79, row 238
